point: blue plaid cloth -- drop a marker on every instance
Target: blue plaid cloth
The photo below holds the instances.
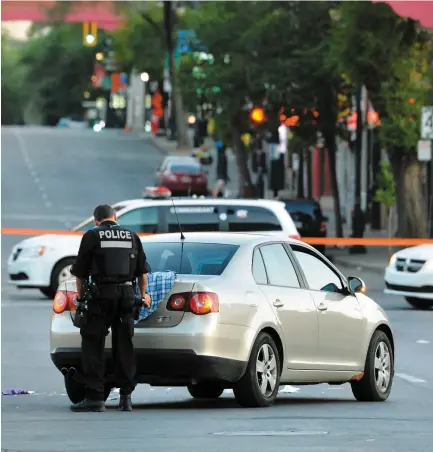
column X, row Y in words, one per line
column 159, row 285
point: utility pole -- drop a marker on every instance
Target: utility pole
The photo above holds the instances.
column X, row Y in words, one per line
column 109, row 63
column 358, row 220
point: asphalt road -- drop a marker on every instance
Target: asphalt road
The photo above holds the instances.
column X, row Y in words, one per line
column 53, row 178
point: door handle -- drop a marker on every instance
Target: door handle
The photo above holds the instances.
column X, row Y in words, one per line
column 278, row 303
column 322, row 307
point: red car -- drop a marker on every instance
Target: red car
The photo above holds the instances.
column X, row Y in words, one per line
column 183, row 176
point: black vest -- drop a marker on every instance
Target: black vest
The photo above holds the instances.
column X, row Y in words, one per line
column 115, row 257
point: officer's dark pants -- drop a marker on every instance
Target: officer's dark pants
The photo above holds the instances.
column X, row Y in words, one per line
column 104, row 312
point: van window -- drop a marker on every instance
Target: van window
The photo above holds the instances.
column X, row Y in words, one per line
column 251, row 218
column 193, row 218
column 140, row 220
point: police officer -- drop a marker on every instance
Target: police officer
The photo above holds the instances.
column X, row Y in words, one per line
column 113, row 257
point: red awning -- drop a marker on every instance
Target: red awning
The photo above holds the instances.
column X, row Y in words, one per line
column 420, row 11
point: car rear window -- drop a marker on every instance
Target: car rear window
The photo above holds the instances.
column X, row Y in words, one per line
column 253, row 219
column 196, row 258
column 190, row 169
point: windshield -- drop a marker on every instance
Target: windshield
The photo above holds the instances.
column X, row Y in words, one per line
column 197, row 258
column 88, row 224
column 190, row 169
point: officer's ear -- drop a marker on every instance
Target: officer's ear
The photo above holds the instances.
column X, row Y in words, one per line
column 115, row 217
column 97, row 223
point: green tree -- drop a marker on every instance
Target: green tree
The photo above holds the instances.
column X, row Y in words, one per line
column 58, row 71
column 389, row 55
column 13, row 94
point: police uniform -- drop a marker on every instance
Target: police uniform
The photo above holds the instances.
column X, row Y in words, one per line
column 113, row 256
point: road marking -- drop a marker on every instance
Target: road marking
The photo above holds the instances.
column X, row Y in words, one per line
column 33, row 173
column 422, row 341
column 289, row 389
column 272, row 433
column 410, row 378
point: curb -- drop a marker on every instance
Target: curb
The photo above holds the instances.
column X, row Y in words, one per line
column 362, row 265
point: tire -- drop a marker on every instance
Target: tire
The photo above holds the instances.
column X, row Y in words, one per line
column 366, row 389
column 55, row 275
column 205, row 390
column 247, row 390
column 418, row 303
column 47, row 292
column 77, row 391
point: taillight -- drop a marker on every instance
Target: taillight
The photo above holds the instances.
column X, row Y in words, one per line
column 322, row 226
column 295, row 236
column 199, row 303
column 65, row 301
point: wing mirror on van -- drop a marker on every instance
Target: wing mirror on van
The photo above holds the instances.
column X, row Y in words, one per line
column 356, row 284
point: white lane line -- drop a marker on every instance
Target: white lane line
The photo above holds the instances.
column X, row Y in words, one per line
column 409, row 378
column 33, row 173
column 422, row 341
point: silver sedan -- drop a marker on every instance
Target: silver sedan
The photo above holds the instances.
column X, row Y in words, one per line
column 249, row 312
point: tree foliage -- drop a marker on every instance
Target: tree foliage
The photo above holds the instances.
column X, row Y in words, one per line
column 59, row 70
column 13, row 94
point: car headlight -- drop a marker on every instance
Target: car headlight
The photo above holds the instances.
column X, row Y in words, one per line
column 35, row 251
column 392, row 260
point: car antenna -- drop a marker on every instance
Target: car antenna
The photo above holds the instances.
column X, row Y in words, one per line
column 182, row 237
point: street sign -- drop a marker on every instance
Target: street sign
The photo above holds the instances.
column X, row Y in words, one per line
column 427, row 123
column 424, row 150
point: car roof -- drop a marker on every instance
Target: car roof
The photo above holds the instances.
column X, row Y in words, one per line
column 223, row 238
column 271, row 204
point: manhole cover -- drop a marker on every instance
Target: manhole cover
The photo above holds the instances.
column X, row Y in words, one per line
column 273, row 433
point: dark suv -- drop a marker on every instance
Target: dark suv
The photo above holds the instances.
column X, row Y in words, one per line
column 308, row 218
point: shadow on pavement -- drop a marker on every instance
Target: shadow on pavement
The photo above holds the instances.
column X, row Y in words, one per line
column 227, row 403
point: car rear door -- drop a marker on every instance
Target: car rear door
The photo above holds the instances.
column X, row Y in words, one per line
column 293, row 306
column 192, row 218
column 342, row 327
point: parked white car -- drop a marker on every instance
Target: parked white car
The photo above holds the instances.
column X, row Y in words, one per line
column 410, row 274
column 43, row 262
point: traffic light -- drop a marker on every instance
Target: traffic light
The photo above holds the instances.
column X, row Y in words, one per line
column 257, row 115
column 90, row 34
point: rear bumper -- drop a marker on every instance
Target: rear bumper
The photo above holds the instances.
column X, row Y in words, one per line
column 164, row 367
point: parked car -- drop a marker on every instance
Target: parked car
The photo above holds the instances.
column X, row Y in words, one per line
column 248, row 312
column 410, row 274
column 182, row 176
column 44, row 261
column 308, row 217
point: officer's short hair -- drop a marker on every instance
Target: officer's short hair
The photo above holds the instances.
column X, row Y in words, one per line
column 103, row 212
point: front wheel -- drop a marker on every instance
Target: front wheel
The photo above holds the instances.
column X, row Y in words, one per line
column 259, row 385
column 61, row 273
column 205, row 390
column 376, row 383
column 419, row 303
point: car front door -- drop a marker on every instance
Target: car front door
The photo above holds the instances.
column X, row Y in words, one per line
column 293, row 306
column 341, row 322
column 141, row 220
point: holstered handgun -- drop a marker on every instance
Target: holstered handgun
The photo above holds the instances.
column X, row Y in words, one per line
column 82, row 311
column 138, row 302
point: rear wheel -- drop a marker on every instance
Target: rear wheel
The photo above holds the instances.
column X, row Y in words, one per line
column 376, row 383
column 76, row 391
column 419, row 303
column 205, row 390
column 259, row 385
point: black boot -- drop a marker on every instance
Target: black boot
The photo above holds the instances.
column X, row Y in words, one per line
column 89, row 405
column 125, row 403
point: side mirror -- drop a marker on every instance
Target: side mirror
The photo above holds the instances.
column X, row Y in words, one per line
column 356, row 284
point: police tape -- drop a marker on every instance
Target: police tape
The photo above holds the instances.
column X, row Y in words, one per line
column 335, row 241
